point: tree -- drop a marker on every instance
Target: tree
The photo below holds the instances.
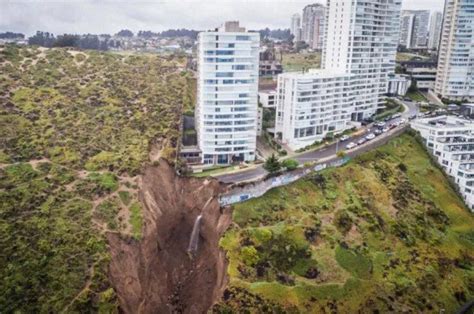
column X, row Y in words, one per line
column 272, row 164
column 290, row 164
column 125, row 33
column 66, row 40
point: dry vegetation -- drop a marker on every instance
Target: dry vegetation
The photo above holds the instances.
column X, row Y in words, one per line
column 76, row 129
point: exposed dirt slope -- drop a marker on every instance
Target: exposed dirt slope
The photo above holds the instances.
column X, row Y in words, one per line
column 156, row 274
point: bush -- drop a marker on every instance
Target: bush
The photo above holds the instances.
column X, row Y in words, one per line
column 290, row 164
column 343, row 221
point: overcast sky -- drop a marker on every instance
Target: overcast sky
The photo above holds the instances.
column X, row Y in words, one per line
column 102, row 16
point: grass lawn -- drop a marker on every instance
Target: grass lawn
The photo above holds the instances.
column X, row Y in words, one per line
column 417, row 96
column 297, row 61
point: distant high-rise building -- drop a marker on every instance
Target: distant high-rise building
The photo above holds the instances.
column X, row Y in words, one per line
column 436, row 22
column 226, row 111
column 414, row 28
column 295, row 29
column 455, row 76
column 358, row 56
column 314, row 16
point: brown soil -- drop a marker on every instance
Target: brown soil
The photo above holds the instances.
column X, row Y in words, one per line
column 156, row 274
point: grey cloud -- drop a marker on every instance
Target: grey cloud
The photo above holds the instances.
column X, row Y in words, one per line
column 88, row 16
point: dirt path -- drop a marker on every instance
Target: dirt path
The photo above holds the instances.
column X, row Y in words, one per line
column 156, row 274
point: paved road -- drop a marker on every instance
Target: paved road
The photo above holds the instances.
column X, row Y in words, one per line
column 328, row 153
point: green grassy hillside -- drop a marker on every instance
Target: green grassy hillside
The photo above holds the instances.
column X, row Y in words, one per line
column 76, row 128
column 385, row 232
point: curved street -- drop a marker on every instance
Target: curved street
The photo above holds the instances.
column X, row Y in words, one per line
column 328, row 153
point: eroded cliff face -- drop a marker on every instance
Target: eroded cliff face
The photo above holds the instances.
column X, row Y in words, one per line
column 157, row 274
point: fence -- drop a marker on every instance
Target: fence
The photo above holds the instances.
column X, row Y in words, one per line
column 257, row 189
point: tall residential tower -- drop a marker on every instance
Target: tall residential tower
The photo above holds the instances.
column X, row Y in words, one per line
column 435, row 30
column 226, row 111
column 455, row 76
column 361, row 39
column 314, row 16
column 414, row 28
column 358, row 56
column 295, row 28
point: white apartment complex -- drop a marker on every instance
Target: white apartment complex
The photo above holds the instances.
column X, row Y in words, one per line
column 311, row 105
column 226, row 111
column 436, row 22
column 451, row 141
column 314, row 16
column 295, row 28
column 455, row 76
column 358, row 56
column 414, row 28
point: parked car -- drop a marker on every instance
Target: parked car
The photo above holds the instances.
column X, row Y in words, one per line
column 370, row 136
column 361, row 141
column 380, row 124
column 385, row 129
column 345, row 138
column 378, row 132
column 351, row 145
column 396, row 115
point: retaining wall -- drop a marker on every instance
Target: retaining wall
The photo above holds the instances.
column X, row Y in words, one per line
column 257, row 189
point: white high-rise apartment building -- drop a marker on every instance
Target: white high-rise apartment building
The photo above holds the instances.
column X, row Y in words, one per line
column 295, row 28
column 314, row 16
column 226, row 111
column 414, row 28
column 435, row 30
column 451, row 141
column 455, row 76
column 361, row 39
column 358, row 56
column 406, row 27
column 312, row 104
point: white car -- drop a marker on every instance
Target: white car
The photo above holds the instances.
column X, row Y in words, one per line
column 385, row 129
column 351, row 145
column 370, row 136
column 345, row 138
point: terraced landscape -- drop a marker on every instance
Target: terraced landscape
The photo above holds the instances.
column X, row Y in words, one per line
column 77, row 128
column 384, row 233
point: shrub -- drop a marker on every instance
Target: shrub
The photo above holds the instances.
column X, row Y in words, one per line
column 290, row 164
column 249, row 255
column 343, row 221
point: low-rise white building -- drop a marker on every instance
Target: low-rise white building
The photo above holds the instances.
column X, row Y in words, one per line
column 267, row 98
column 451, row 141
column 312, row 104
column 398, row 84
column 425, row 77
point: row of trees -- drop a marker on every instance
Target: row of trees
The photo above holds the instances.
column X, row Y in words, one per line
column 11, row 35
column 88, row 41
column 170, row 33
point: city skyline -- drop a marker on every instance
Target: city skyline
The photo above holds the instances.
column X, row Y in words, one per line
column 110, row 16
